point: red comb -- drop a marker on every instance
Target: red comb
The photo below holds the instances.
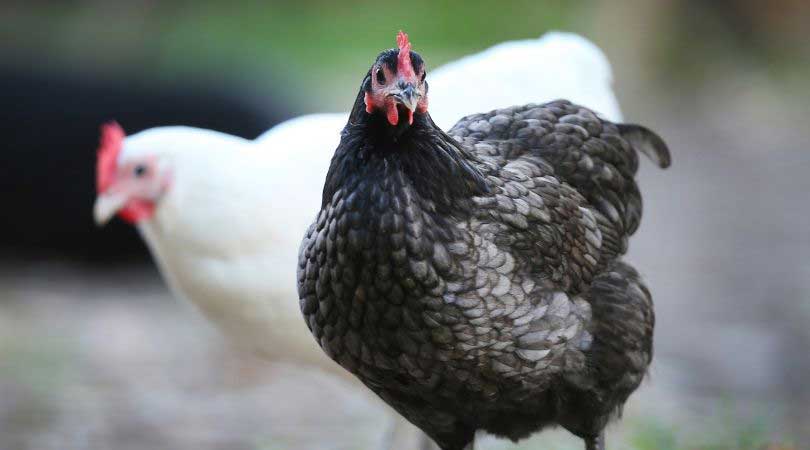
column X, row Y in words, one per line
column 404, row 66
column 110, row 144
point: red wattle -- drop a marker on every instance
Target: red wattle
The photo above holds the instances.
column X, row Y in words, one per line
column 391, row 113
column 137, row 210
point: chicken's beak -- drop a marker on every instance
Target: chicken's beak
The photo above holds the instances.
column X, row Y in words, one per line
column 107, row 205
column 407, row 95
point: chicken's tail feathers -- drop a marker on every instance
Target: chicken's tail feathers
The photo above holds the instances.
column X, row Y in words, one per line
column 648, row 142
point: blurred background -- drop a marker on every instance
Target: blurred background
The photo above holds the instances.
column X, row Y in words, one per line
column 96, row 353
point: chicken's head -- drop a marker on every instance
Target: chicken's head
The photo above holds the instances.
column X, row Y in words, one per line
column 395, row 85
column 129, row 187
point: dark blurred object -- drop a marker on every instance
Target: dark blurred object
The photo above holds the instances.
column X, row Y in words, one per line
column 766, row 27
column 50, row 130
column 726, row 33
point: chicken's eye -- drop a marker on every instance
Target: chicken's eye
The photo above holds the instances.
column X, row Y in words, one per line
column 380, row 76
column 139, row 170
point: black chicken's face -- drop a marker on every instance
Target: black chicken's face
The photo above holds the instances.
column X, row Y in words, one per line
column 396, row 85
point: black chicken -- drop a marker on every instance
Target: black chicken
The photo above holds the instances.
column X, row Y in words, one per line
column 472, row 279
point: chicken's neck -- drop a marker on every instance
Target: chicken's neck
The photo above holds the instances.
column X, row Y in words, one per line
column 388, row 203
column 419, row 161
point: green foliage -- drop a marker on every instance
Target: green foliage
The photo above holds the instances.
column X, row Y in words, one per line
column 310, row 45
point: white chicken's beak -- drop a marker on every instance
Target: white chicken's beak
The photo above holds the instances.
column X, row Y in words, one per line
column 106, row 206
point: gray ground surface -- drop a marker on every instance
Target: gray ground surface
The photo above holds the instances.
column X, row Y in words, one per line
column 111, row 360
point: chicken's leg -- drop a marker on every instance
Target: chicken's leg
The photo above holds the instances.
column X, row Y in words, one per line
column 595, row 443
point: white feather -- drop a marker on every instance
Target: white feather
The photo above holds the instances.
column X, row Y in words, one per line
column 556, row 66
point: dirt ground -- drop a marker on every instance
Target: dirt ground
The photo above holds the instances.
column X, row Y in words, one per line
column 110, row 360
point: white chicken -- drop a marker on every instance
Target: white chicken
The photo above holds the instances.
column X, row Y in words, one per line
column 223, row 216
